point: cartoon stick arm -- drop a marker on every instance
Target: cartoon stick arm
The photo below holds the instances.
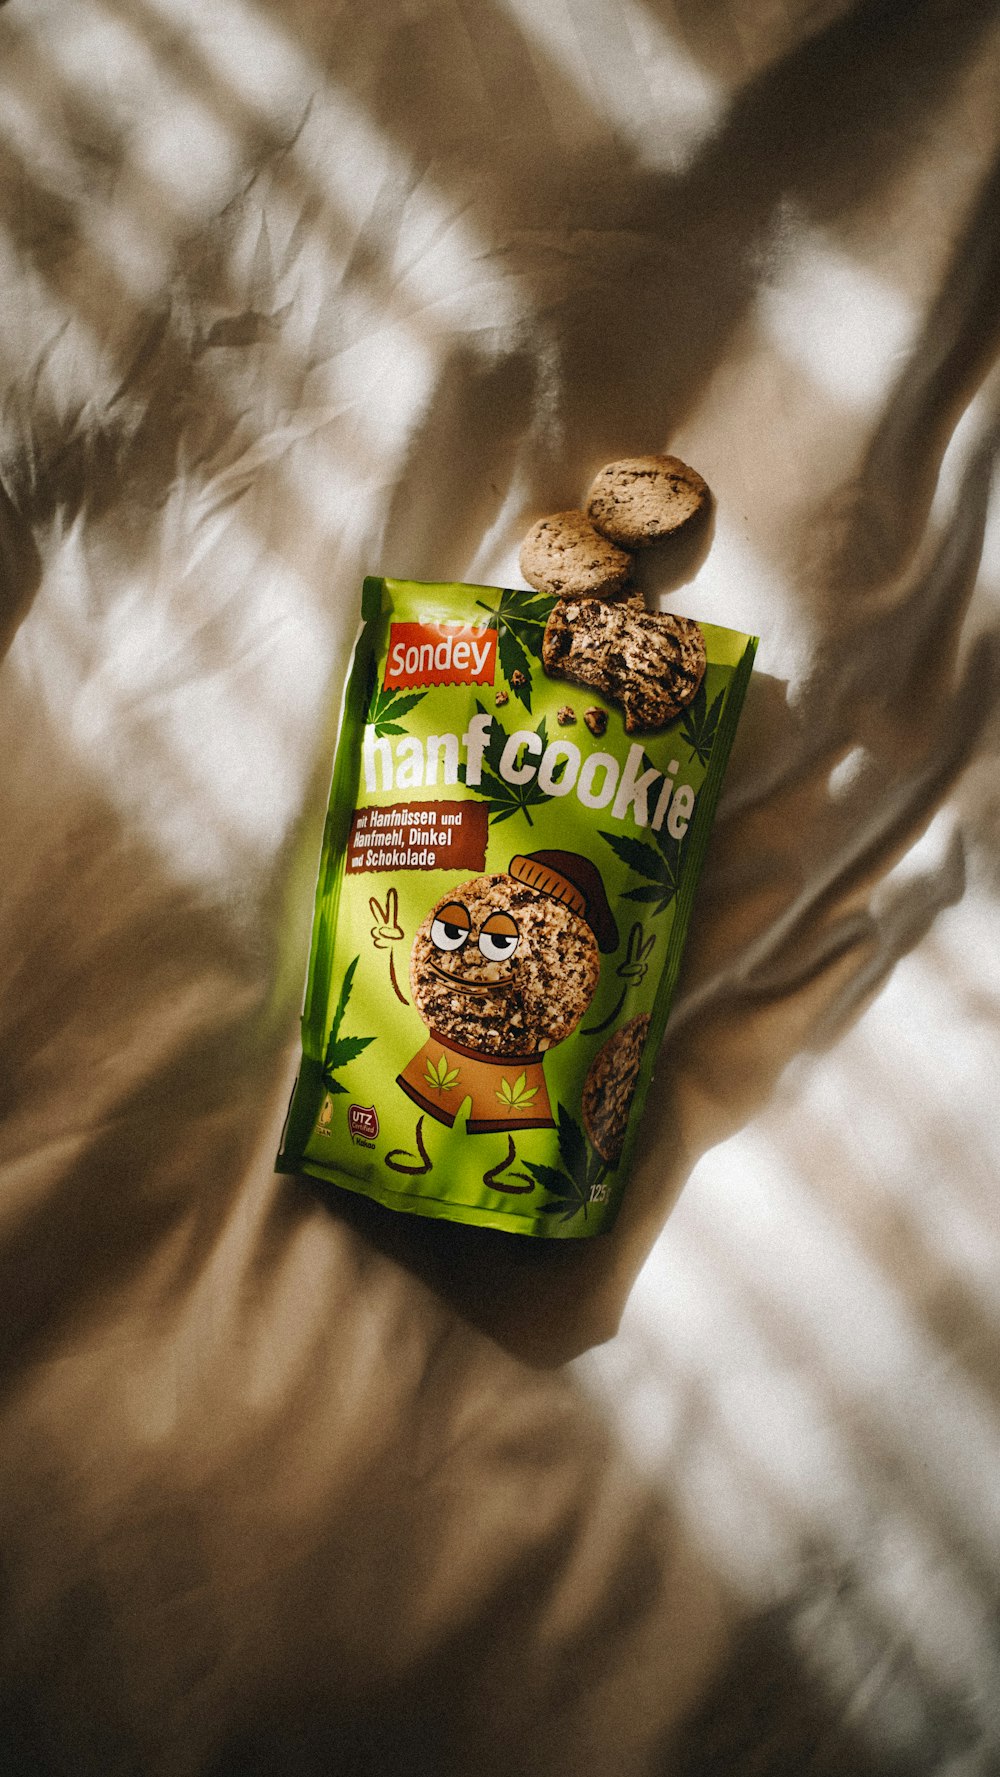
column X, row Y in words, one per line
column 386, row 932
column 635, row 965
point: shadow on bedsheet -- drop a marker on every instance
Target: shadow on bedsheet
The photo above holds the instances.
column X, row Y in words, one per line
column 766, row 1709
column 636, row 281
column 653, row 260
column 117, row 1045
column 220, row 1548
column 793, row 970
column 20, row 569
column 875, row 524
column 765, row 1714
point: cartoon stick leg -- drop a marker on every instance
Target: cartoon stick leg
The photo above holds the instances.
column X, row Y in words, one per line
column 496, row 1183
column 399, row 1160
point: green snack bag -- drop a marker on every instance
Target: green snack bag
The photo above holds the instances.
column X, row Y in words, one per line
column 521, row 800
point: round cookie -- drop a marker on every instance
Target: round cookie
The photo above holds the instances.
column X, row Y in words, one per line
column 503, row 1006
column 641, row 500
column 567, row 556
column 609, row 1086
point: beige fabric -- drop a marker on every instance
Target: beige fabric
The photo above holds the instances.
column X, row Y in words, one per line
column 294, row 292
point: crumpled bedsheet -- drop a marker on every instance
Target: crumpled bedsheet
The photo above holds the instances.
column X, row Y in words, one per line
column 296, row 292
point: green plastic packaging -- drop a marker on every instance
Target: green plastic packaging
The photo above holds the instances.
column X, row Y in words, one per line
column 505, row 884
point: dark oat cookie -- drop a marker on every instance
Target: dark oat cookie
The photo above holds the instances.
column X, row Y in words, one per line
column 518, row 1006
column 650, row 663
column 609, row 1086
column 567, row 556
column 641, row 500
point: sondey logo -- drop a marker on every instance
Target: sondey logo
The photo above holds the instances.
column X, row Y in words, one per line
column 440, row 654
column 362, row 1121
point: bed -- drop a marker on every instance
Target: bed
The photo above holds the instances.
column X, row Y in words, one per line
column 289, row 1484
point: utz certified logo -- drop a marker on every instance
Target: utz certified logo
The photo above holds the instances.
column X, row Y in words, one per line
column 362, row 1121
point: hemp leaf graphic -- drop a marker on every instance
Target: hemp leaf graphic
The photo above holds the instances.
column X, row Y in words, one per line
column 700, row 723
column 340, row 1050
column 439, row 1075
column 577, row 1181
column 388, row 709
column 505, row 799
column 519, row 621
column 517, row 1095
column 659, row 862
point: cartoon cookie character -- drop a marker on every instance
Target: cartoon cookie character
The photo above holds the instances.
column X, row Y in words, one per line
column 503, row 968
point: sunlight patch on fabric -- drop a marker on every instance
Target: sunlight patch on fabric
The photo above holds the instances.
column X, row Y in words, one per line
column 687, row 104
column 436, row 253
column 737, row 581
column 928, row 854
column 768, row 1367
column 848, row 772
column 627, row 76
column 174, row 137
column 838, row 321
column 205, row 765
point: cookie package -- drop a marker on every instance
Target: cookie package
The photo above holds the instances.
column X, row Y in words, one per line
column 506, row 879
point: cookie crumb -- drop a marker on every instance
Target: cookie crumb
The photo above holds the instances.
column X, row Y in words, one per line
column 517, row 679
column 596, row 720
column 501, row 697
column 566, row 715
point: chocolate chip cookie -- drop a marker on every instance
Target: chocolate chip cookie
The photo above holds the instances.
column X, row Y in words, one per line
column 502, row 969
column 641, row 500
column 649, row 663
column 567, row 556
column 609, row 1086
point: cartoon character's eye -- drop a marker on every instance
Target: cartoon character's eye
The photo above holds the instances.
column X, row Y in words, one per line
column 498, row 938
column 451, row 928
column 448, row 937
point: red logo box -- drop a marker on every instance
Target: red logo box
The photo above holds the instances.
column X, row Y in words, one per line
column 440, row 654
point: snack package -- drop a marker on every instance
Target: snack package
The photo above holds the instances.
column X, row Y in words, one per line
column 521, row 800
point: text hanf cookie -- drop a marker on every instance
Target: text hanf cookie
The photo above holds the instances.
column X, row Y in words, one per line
column 505, row 884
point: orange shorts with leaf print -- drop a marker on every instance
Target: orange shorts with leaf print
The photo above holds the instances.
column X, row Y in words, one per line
column 509, row 1093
